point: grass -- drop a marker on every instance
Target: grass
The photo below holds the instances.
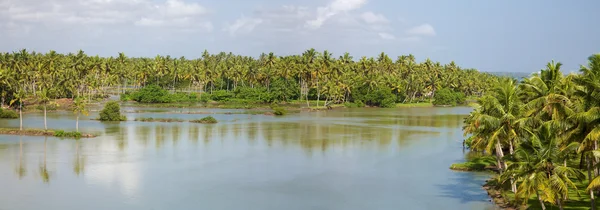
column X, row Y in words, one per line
column 480, row 163
column 279, row 111
column 8, row 114
column 419, row 104
column 150, row 119
column 206, row 120
column 63, row 134
column 40, row 132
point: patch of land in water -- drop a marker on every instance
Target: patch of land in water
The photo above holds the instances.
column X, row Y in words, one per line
column 40, row 132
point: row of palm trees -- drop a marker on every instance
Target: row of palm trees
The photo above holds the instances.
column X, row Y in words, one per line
column 53, row 75
column 544, row 132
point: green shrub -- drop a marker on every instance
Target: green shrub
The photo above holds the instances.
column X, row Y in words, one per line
column 156, row 94
column 112, row 112
column 8, row 114
column 206, row 120
column 350, row 105
column 63, row 134
column 279, row 111
column 447, row 97
column 359, row 103
column 221, row 95
column 204, row 97
column 380, row 97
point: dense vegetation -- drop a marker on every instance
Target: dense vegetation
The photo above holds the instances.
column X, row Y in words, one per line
column 206, row 120
column 375, row 81
column 279, row 111
column 10, row 114
column 112, row 112
column 447, row 96
column 63, row 134
column 544, row 133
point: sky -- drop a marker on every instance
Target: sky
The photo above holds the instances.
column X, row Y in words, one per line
column 499, row 36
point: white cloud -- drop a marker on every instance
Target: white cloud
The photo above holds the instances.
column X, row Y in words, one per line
column 334, row 8
column 168, row 13
column 244, row 25
column 372, row 18
column 387, row 36
column 177, row 8
column 422, row 30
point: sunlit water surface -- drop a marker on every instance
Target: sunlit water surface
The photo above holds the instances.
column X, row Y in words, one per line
column 342, row 159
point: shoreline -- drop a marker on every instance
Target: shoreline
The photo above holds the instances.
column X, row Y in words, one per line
column 39, row 132
column 496, row 196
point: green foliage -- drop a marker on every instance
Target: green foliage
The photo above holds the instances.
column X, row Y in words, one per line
column 112, row 112
column 253, row 94
column 350, row 105
column 221, row 95
column 279, row 111
column 447, row 97
column 66, row 134
column 149, row 94
column 206, row 120
column 475, row 164
column 8, row 114
column 380, row 97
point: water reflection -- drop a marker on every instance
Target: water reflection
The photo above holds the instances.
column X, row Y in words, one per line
column 44, row 174
column 78, row 160
column 303, row 159
column 21, row 170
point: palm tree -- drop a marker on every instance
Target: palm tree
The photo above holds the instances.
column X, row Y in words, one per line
column 44, row 98
column 18, row 97
column 538, row 167
column 79, row 108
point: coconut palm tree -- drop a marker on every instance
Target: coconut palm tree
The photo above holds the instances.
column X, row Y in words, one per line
column 79, row 107
column 538, row 167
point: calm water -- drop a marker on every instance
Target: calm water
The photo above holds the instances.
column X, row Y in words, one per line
column 343, row 159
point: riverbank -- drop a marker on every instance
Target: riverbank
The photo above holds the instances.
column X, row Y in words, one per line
column 40, row 132
column 503, row 198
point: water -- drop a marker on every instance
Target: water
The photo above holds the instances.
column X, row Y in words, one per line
column 342, row 159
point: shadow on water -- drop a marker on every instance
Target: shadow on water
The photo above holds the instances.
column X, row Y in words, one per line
column 465, row 187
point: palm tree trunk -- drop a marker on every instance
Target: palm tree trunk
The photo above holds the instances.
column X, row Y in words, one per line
column 20, row 115
column 318, row 92
column 596, row 159
column 45, row 125
column 500, row 155
column 559, row 203
column 513, row 184
column 589, row 170
column 540, row 199
column 77, row 123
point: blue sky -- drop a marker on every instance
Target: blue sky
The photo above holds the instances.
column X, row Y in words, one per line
column 504, row 36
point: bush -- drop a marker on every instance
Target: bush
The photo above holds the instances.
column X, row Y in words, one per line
column 72, row 134
column 447, row 97
column 112, row 112
column 279, row 111
column 381, row 97
column 350, row 105
column 221, row 95
column 206, row 120
column 359, row 103
column 8, row 114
